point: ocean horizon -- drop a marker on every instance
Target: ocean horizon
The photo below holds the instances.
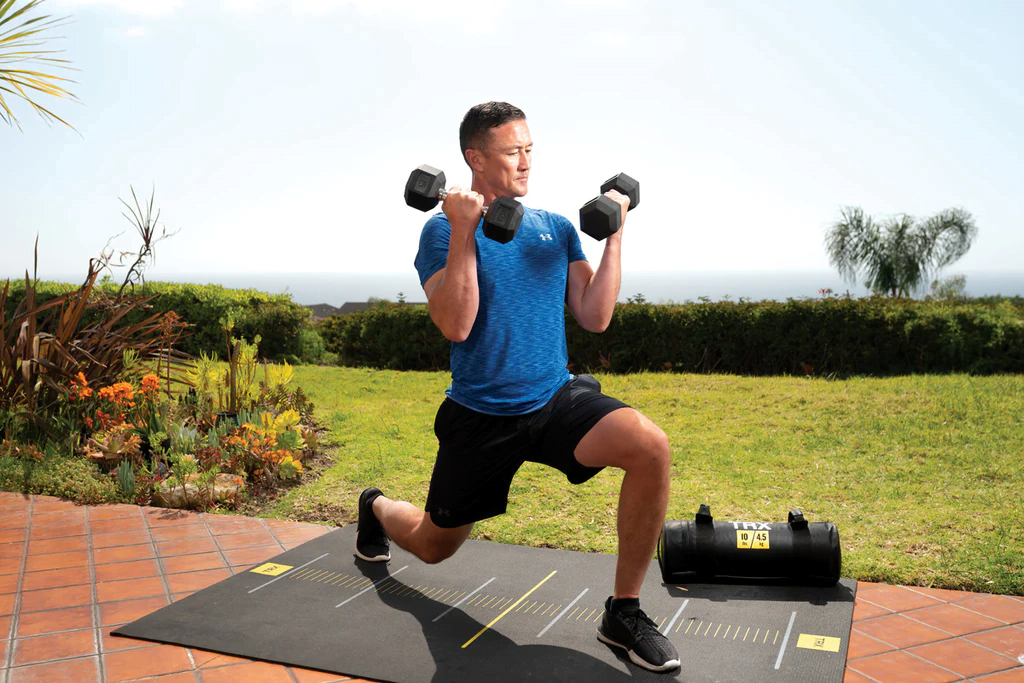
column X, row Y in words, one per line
column 336, row 289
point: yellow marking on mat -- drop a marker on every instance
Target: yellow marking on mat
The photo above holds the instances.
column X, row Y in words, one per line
column 520, row 607
column 509, row 609
column 754, row 639
column 329, row 575
column 776, row 638
column 538, row 607
column 298, row 574
column 601, row 614
column 271, row 569
column 582, row 612
column 727, row 628
column 708, row 628
column 556, row 609
column 571, row 613
column 338, row 580
column 455, row 596
column 766, row 632
column 745, row 634
column 493, row 602
column 691, row 624
column 737, row 633
column 314, row 575
column 350, row 582
column 822, row 643
column 590, row 615
column 507, row 602
column 717, row 630
column 679, row 626
column 445, row 595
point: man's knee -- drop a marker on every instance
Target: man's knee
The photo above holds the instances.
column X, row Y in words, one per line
column 652, row 451
column 436, row 553
column 439, row 545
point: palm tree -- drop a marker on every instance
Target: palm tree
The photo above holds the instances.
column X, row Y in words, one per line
column 21, row 45
column 899, row 255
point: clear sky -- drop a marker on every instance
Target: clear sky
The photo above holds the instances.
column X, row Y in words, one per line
column 278, row 134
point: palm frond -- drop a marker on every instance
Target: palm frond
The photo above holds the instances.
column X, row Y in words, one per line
column 21, row 41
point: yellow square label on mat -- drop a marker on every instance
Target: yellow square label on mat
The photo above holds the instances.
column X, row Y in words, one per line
column 271, row 569
column 824, row 643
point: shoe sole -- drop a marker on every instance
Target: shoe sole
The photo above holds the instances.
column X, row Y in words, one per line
column 376, row 558
column 639, row 661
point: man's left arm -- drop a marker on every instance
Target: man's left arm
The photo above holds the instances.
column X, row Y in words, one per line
column 591, row 294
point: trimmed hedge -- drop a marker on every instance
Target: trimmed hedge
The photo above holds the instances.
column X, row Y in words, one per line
column 275, row 317
column 838, row 336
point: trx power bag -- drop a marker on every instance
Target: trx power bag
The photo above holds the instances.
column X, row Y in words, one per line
column 705, row 551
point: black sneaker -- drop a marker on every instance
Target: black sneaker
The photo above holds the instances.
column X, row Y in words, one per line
column 372, row 544
column 627, row 626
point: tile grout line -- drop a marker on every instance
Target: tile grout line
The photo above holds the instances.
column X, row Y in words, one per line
column 860, row 673
column 951, row 604
column 9, row 656
column 97, row 632
column 216, row 542
column 926, row 661
column 163, row 576
column 933, row 642
column 273, row 534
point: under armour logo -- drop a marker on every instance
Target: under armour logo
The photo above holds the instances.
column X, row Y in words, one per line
column 546, row 236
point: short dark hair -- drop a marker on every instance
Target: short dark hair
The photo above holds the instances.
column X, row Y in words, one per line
column 478, row 122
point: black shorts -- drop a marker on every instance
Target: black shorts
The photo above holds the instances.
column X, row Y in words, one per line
column 479, row 454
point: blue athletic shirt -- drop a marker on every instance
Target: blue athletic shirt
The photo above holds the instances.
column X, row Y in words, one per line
column 515, row 357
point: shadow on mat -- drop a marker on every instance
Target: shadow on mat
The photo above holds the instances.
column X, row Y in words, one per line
column 495, row 657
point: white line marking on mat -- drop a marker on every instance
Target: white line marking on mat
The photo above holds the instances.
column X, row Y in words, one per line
column 782, row 650
column 467, row 597
column 289, row 573
column 680, row 611
column 371, row 586
column 562, row 613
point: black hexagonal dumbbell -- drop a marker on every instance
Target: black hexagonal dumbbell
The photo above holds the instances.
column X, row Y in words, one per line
column 425, row 188
column 601, row 217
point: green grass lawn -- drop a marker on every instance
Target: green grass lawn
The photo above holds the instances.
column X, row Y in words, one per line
column 923, row 475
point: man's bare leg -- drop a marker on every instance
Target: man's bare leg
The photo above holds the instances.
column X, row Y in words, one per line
column 628, row 440
column 412, row 530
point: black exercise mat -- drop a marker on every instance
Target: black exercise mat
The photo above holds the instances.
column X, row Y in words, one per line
column 498, row 613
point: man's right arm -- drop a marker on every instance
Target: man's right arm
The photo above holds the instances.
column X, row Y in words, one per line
column 453, row 295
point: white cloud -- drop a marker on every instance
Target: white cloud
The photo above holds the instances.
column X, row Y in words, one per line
column 141, row 8
column 135, row 32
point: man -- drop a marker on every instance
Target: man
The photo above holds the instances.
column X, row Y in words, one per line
column 512, row 399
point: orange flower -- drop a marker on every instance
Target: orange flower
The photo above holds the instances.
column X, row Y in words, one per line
column 80, row 387
column 150, row 384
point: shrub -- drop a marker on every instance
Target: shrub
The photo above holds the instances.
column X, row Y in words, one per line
column 834, row 336
column 274, row 317
column 66, row 477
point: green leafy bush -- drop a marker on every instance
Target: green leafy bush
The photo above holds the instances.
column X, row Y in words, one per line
column 274, row 317
column 398, row 337
column 71, row 477
column 833, row 336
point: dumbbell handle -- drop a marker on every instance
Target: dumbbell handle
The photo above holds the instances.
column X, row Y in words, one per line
column 442, row 194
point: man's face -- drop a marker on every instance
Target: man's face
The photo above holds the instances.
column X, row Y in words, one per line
column 506, row 161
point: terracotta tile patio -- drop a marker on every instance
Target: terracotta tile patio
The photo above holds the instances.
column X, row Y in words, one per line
column 70, row 574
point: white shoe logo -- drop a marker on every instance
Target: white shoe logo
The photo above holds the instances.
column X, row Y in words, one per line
column 546, row 236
